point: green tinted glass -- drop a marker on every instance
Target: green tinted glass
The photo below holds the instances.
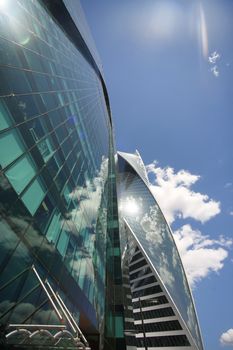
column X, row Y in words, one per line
column 21, row 173
column 62, row 243
column 4, row 116
column 54, row 227
column 11, row 142
column 34, row 196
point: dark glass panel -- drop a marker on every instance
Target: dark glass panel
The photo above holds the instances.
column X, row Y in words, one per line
column 159, row 326
column 174, row 340
column 150, row 302
column 147, row 291
column 140, row 273
column 137, row 265
column 165, row 312
column 143, row 282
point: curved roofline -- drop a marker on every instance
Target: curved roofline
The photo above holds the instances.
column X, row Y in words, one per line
column 122, row 155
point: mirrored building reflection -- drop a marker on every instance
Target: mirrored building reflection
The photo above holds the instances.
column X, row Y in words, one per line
column 55, row 138
column 163, row 309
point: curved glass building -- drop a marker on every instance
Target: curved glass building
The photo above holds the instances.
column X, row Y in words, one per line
column 163, row 310
column 55, row 138
column 72, row 274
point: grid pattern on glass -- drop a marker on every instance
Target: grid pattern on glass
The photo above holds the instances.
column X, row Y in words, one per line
column 55, row 126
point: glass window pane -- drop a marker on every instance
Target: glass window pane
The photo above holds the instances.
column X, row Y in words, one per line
column 21, row 173
column 46, row 149
column 5, row 120
column 54, row 227
column 62, row 243
column 11, row 142
column 34, row 196
column 67, row 194
column 119, row 328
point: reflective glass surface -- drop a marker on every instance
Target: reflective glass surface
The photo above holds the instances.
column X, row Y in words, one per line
column 140, row 210
column 54, row 148
column 77, row 14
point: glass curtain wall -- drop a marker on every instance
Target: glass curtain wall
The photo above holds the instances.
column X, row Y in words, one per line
column 143, row 216
column 114, row 310
column 54, row 148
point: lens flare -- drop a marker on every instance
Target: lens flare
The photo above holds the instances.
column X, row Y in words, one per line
column 203, row 34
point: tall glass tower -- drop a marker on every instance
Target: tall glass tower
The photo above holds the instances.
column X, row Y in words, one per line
column 163, row 311
column 55, row 138
column 87, row 260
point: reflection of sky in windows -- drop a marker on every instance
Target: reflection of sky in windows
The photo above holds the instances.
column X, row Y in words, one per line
column 150, row 227
column 78, row 243
column 55, row 95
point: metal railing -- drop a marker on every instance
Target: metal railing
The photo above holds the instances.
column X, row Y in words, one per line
column 64, row 315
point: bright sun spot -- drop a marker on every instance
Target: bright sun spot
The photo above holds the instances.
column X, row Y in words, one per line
column 163, row 20
column 130, row 206
column 3, row 4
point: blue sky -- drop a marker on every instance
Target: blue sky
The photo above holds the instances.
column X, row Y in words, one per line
column 168, row 67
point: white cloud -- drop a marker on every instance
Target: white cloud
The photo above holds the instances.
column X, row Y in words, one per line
column 176, row 198
column 215, row 71
column 231, row 213
column 89, row 199
column 214, row 56
column 165, row 271
column 24, row 309
column 152, row 226
column 200, row 254
column 227, row 338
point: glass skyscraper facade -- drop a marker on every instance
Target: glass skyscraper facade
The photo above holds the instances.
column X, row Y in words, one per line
column 65, row 252
column 163, row 309
column 54, row 147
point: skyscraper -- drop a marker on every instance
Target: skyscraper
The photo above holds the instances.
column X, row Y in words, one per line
column 54, row 146
column 163, row 309
column 66, row 257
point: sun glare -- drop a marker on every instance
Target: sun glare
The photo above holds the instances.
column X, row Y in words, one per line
column 3, row 4
column 130, row 206
column 164, row 20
